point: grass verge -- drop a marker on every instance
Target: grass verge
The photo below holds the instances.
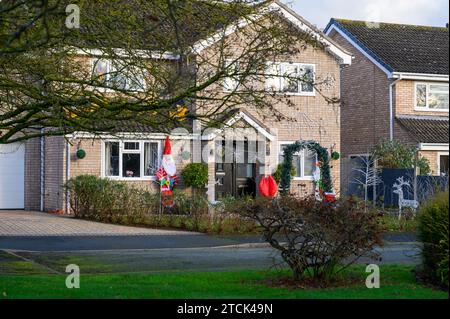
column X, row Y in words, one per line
column 397, row 282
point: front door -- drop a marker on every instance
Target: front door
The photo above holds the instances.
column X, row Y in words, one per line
column 238, row 178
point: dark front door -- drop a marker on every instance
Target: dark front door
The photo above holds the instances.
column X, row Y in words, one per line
column 238, row 178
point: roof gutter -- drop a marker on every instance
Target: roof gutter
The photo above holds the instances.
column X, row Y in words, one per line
column 420, row 76
column 391, row 108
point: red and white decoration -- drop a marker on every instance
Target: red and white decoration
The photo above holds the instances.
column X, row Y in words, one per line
column 166, row 175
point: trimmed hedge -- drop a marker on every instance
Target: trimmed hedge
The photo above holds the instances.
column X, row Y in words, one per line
column 433, row 231
column 108, row 201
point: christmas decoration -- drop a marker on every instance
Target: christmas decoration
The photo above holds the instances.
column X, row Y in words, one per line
column 81, row 153
column 166, row 175
column 268, row 187
column 335, row 155
column 322, row 174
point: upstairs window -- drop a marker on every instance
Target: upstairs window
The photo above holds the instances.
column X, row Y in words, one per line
column 114, row 75
column 431, row 97
column 290, row 78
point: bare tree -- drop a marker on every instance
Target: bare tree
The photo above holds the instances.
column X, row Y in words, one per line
column 141, row 62
column 366, row 174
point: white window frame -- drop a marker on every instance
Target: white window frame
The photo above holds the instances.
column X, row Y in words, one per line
column 123, row 151
column 230, row 84
column 426, row 108
column 302, row 176
column 108, row 79
column 281, row 79
column 439, row 154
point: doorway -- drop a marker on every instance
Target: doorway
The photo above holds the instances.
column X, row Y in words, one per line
column 235, row 178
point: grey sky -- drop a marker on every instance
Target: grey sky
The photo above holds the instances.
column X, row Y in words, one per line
column 422, row 12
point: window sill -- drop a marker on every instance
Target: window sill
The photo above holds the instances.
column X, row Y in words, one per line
column 303, row 179
column 132, row 179
column 418, row 109
column 310, row 94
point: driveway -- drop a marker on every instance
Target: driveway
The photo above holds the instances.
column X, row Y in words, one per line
column 34, row 224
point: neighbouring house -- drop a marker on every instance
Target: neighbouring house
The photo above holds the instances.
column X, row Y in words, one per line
column 33, row 173
column 395, row 89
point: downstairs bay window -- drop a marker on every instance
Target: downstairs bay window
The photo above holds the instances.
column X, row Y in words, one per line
column 131, row 159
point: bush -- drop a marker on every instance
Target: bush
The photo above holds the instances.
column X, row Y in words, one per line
column 393, row 154
column 315, row 238
column 116, row 202
column 433, row 231
column 109, row 201
column 195, row 175
column 277, row 173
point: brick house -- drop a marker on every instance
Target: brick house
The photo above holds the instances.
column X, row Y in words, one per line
column 45, row 164
column 395, row 88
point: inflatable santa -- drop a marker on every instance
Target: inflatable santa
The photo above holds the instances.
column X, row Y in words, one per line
column 167, row 175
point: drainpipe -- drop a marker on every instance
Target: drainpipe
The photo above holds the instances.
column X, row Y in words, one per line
column 42, row 171
column 391, row 108
column 67, row 176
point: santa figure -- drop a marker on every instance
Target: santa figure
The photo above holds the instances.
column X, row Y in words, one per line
column 167, row 175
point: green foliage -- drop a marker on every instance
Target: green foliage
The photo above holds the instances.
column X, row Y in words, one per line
column 277, row 173
column 434, row 232
column 325, row 183
column 195, row 175
column 109, row 201
column 115, row 202
column 393, row 154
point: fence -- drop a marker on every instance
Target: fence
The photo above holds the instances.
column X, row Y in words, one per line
column 380, row 188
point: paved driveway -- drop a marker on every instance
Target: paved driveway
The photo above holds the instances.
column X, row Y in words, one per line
column 34, row 224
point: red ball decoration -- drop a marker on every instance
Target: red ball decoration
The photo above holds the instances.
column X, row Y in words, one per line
column 268, row 187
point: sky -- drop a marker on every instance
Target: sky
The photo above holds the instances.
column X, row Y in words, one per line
column 419, row 12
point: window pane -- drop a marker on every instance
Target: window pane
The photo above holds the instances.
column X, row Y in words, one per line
column 310, row 162
column 439, row 88
column 231, row 83
column 308, row 79
column 112, row 159
column 297, row 162
column 131, row 165
column 438, row 101
column 150, row 159
column 100, row 70
column 421, row 95
column 444, row 165
column 118, row 80
column 273, row 78
column 131, row 146
column 290, row 83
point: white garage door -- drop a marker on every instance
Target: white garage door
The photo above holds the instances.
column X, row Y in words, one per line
column 12, row 167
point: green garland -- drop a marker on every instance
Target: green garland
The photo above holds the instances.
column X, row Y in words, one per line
column 325, row 183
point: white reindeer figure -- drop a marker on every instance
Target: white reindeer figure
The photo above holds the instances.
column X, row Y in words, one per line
column 398, row 189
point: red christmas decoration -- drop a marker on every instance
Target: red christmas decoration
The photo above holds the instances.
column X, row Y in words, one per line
column 268, row 187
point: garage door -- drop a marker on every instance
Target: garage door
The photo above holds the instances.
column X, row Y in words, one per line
column 12, row 167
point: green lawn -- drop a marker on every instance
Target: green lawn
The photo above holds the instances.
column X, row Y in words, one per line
column 396, row 282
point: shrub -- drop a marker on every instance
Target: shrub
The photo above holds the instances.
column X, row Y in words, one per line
column 195, row 175
column 433, row 231
column 277, row 173
column 115, row 202
column 315, row 238
column 393, row 154
column 109, row 201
